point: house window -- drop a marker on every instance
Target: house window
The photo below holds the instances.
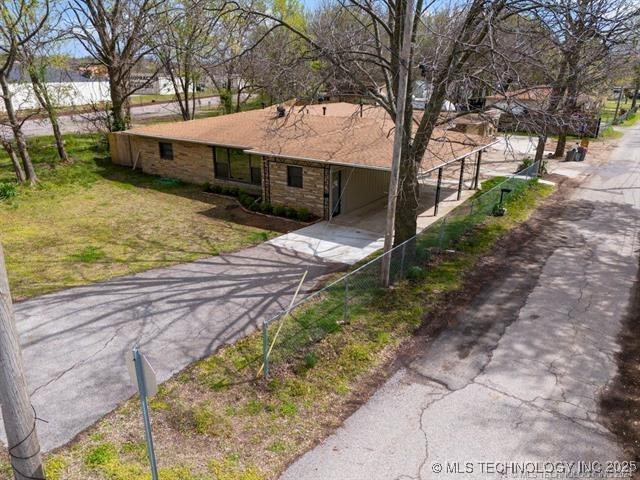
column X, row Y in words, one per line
column 166, row 151
column 232, row 164
column 294, row 176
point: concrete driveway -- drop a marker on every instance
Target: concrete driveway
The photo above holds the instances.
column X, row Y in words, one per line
column 518, row 376
column 354, row 236
column 74, row 341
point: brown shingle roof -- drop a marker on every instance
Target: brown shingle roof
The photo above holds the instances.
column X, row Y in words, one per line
column 340, row 137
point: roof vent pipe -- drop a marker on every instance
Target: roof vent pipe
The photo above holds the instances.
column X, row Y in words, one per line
column 324, row 110
column 360, row 109
column 281, row 111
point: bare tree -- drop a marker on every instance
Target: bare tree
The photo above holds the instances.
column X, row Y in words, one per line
column 20, row 21
column 38, row 57
column 584, row 32
column 184, row 39
column 119, row 35
column 231, row 64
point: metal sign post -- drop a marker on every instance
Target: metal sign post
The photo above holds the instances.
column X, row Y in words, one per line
column 144, row 376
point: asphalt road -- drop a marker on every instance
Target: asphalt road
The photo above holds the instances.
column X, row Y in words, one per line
column 519, row 378
column 87, row 122
column 74, row 342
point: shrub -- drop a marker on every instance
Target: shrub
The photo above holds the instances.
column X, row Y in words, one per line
column 245, row 199
column 416, row 273
column 526, row 163
column 310, row 360
column 265, row 207
column 215, row 188
column 8, row 190
column 279, row 211
column 304, row 214
column 291, row 213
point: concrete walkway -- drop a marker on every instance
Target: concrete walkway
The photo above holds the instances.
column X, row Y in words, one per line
column 74, row 341
column 519, row 376
column 352, row 237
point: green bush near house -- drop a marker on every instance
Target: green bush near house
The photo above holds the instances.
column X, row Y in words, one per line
column 279, row 211
column 255, row 203
column 304, row 214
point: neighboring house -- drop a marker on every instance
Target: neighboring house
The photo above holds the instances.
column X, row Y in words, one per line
column 525, row 109
column 329, row 158
column 67, row 87
column 518, row 102
column 421, row 94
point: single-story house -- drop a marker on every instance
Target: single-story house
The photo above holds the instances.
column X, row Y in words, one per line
column 329, row 158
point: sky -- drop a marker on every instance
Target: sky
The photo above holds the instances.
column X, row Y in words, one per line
column 74, row 49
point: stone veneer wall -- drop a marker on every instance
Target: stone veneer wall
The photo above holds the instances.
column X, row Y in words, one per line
column 310, row 196
column 192, row 162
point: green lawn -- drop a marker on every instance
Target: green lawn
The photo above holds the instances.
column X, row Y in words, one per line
column 231, row 428
column 91, row 220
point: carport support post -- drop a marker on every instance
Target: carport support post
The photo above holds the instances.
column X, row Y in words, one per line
column 438, row 186
column 17, row 412
column 476, row 180
column 461, row 178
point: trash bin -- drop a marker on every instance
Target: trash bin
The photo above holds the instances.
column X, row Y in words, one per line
column 571, row 155
column 582, row 153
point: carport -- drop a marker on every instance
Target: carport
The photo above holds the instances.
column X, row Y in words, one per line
column 358, row 196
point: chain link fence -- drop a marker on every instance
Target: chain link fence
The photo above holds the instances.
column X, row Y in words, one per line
column 289, row 336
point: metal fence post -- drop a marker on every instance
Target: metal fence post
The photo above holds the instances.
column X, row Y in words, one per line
column 404, row 245
column 265, row 348
column 346, row 300
column 142, row 390
column 441, row 238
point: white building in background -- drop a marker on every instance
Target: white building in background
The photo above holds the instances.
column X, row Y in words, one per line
column 147, row 84
column 67, row 89
column 421, row 94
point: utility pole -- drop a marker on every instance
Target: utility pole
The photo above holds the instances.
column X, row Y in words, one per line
column 401, row 102
column 17, row 412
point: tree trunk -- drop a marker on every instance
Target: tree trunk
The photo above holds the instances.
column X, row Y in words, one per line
column 42, row 94
column 542, row 141
column 406, row 223
column 16, row 128
column 562, row 143
column 55, row 126
column 636, row 90
column 6, row 145
column 119, row 118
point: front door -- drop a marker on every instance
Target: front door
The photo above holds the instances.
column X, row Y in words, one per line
column 336, row 192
